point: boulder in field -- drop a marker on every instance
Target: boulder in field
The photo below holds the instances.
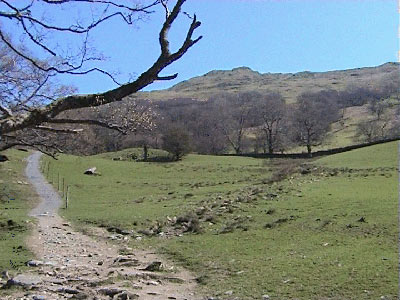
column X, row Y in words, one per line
column 91, row 171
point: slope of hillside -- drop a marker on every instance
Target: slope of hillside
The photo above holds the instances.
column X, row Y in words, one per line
column 288, row 84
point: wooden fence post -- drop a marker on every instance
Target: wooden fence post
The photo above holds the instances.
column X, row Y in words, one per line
column 63, row 187
column 66, row 198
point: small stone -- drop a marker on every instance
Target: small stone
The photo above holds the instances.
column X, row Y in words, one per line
column 5, row 275
column 80, row 296
column 155, row 266
column 265, row 297
column 22, row 280
column 127, row 296
column 34, row 263
column 90, row 171
column 362, row 220
column 126, row 262
column 111, row 292
column 229, row 293
column 68, row 291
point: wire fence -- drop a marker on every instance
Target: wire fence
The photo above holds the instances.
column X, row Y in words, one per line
column 58, row 181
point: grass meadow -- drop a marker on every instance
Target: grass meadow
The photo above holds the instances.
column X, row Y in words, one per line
column 16, row 198
column 320, row 229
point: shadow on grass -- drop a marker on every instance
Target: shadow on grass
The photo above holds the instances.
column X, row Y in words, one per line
column 158, row 159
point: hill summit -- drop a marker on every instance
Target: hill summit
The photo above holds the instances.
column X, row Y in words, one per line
column 288, row 84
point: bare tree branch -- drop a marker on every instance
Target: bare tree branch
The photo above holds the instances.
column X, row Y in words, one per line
column 38, row 146
column 6, row 111
column 89, row 122
column 34, row 26
column 167, row 77
column 137, row 9
column 46, row 128
column 49, row 112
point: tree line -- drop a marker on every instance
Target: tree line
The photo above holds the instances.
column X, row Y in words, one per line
column 264, row 122
column 243, row 122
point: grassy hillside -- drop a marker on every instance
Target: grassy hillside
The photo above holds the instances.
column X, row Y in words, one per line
column 288, row 84
column 16, row 198
column 327, row 231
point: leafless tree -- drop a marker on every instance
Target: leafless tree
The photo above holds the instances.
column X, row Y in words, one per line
column 311, row 119
column 389, row 85
column 378, row 108
column 272, row 114
column 199, row 118
column 31, row 115
column 371, row 130
column 379, row 125
column 176, row 141
column 206, row 136
column 236, row 114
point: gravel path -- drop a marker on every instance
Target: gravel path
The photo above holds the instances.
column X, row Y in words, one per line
column 72, row 265
column 51, row 200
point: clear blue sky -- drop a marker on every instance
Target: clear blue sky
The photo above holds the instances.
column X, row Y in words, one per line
column 265, row 35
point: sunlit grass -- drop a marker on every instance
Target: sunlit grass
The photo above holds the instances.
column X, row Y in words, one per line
column 16, row 198
column 329, row 234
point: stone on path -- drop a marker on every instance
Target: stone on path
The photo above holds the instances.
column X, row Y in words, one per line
column 111, row 292
column 155, row 266
column 23, row 280
column 34, row 263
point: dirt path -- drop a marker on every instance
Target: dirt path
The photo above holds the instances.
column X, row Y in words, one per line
column 72, row 265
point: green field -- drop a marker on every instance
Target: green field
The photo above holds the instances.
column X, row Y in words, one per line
column 16, row 198
column 327, row 231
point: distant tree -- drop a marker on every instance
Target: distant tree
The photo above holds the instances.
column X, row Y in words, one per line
column 378, row 108
column 379, row 125
column 200, row 119
column 394, row 131
column 355, row 95
column 389, row 85
column 236, row 114
column 176, row 141
column 206, row 135
column 311, row 119
column 371, row 130
column 260, row 143
column 271, row 112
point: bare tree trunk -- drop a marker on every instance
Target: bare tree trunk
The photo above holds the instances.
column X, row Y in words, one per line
column 145, row 152
column 308, row 148
column 238, row 150
column 270, row 148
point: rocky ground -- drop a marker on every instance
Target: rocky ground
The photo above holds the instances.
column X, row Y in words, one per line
column 72, row 265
